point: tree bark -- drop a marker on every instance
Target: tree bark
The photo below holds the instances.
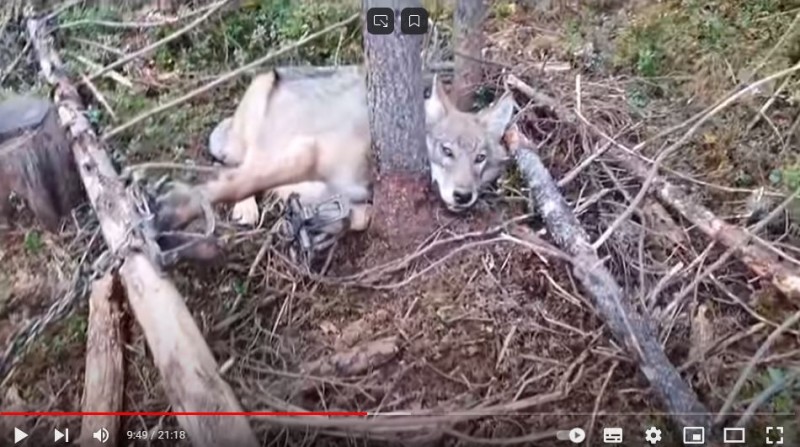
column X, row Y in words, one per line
column 36, row 162
column 104, row 380
column 627, row 326
column 469, row 40
column 190, row 374
column 395, row 94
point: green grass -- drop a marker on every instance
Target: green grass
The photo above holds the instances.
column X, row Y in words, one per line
column 216, row 46
column 685, row 35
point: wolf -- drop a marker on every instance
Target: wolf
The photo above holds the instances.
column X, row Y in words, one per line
column 305, row 131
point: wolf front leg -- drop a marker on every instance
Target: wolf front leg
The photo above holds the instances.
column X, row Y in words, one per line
column 257, row 174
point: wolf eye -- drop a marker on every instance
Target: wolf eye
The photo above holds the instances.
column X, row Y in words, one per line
column 447, row 151
column 480, row 158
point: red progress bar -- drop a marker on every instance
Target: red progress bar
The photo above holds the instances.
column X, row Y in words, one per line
column 184, row 413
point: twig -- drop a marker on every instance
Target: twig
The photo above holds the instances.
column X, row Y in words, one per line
column 741, row 243
column 214, row 7
column 167, row 166
column 15, row 62
column 651, row 175
column 113, row 75
column 99, row 45
column 506, row 343
column 599, row 399
column 526, row 439
column 226, row 77
column 737, row 387
column 100, row 98
column 763, row 110
column 134, row 25
column 765, row 396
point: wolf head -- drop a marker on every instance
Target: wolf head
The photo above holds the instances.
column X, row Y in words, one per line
column 464, row 149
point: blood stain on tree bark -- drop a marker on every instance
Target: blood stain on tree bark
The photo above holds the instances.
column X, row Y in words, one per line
column 403, row 210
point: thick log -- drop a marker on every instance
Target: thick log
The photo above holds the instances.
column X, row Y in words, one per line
column 627, row 326
column 36, row 162
column 469, row 42
column 104, row 378
column 188, row 369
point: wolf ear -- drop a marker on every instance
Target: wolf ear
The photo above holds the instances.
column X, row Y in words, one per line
column 438, row 105
column 497, row 117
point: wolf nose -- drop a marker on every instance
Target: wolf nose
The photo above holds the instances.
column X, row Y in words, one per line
column 462, row 197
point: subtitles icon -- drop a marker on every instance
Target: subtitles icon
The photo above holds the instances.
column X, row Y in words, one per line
column 380, row 20
column 414, row 21
column 612, row 435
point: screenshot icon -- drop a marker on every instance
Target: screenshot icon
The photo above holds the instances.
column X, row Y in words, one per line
column 414, row 21
column 694, row 435
column 380, row 21
column 612, row 435
column 733, row 435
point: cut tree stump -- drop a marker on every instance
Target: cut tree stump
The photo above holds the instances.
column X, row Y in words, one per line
column 36, row 161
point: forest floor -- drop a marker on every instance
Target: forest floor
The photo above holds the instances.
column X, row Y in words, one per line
column 480, row 323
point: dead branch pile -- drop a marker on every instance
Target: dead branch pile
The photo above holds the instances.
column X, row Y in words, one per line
column 625, row 311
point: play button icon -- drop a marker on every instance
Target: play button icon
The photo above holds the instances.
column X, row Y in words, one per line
column 19, row 435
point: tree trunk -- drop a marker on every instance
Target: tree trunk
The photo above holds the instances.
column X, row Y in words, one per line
column 397, row 123
column 36, row 161
column 395, row 94
column 469, row 41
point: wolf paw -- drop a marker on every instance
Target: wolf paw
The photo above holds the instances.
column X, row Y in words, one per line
column 246, row 212
column 177, row 208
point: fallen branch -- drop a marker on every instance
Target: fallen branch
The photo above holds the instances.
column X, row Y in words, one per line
column 190, row 374
column 624, row 322
column 738, row 240
column 761, row 261
column 104, row 374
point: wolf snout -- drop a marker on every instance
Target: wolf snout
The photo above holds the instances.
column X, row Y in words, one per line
column 463, row 198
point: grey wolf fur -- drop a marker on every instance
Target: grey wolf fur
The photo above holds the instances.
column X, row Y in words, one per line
column 307, row 132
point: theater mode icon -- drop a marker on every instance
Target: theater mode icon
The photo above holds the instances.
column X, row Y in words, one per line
column 733, row 435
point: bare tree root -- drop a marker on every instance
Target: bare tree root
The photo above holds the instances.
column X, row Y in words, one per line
column 625, row 323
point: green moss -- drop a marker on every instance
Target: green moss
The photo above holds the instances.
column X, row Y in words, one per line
column 681, row 35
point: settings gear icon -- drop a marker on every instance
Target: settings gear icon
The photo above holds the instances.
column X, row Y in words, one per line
column 652, row 435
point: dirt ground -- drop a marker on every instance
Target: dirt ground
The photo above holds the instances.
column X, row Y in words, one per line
column 471, row 338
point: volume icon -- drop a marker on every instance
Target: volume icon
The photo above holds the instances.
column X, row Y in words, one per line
column 101, row 435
